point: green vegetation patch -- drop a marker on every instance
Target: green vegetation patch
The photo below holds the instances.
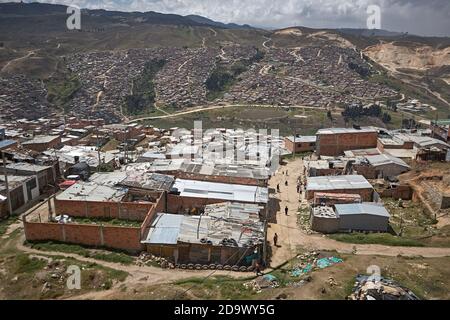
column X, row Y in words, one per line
column 62, row 88
column 376, row 238
column 143, row 93
column 4, row 224
column 108, row 221
column 115, row 257
column 223, row 77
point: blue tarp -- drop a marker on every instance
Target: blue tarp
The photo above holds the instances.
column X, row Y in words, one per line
column 298, row 272
column 326, row 262
column 321, row 263
column 269, row 277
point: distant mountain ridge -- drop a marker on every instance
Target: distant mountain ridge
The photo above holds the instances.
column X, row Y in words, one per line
column 151, row 17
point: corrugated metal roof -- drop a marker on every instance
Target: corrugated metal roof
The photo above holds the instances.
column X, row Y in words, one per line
column 220, row 221
column 338, row 182
column 165, row 229
column 384, row 159
column 345, row 130
column 6, row 144
column 90, row 191
column 362, row 208
column 224, row 191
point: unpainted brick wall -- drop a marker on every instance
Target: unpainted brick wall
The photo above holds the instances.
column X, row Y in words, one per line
column 122, row 210
column 336, row 144
column 123, row 238
column 366, row 194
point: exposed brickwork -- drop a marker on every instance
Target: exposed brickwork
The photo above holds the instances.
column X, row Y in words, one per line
column 366, row 194
column 336, row 144
column 298, row 146
column 404, row 192
column 124, row 238
column 122, row 210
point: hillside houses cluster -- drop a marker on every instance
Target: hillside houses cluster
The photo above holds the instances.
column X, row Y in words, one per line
column 197, row 199
column 99, row 82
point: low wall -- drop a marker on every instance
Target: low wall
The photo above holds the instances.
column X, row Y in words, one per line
column 136, row 211
column 403, row 192
column 123, row 238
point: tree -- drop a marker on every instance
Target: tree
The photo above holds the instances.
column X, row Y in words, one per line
column 386, row 118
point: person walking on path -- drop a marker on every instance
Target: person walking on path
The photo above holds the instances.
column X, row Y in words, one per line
column 275, row 239
column 278, row 188
column 286, row 209
column 286, row 183
column 258, row 269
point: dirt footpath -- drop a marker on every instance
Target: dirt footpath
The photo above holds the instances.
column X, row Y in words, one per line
column 291, row 237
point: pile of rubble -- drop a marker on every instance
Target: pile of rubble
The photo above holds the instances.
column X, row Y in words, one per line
column 264, row 282
column 367, row 288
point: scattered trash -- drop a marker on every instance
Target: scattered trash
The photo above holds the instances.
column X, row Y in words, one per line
column 63, row 218
column 380, row 289
column 327, row 262
column 266, row 281
column 309, row 261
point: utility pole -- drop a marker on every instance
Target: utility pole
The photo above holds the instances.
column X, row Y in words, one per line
column 98, row 150
column 3, row 145
column 8, row 195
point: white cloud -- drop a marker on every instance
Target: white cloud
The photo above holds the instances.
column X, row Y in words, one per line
column 416, row 16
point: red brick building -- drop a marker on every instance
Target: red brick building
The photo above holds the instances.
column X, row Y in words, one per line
column 299, row 144
column 334, row 141
column 42, row 143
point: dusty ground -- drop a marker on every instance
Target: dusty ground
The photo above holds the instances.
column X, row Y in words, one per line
column 148, row 282
column 290, row 237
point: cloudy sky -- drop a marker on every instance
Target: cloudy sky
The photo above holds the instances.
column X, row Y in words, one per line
column 423, row 17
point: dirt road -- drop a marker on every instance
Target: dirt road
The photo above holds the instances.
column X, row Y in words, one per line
column 291, row 237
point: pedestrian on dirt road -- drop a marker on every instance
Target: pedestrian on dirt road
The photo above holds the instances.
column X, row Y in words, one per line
column 278, row 187
column 286, row 209
column 286, row 183
column 258, row 269
column 275, row 239
column 298, row 188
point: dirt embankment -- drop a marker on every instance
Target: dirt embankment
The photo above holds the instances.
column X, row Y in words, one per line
column 395, row 56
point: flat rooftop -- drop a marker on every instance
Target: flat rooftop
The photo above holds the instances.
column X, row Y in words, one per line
column 362, row 208
column 223, row 191
column 362, row 152
column 346, row 130
column 302, row 139
column 90, row 191
column 324, row 212
column 25, row 166
column 338, row 182
column 40, row 139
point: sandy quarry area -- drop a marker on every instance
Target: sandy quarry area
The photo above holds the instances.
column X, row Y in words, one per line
column 419, row 57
